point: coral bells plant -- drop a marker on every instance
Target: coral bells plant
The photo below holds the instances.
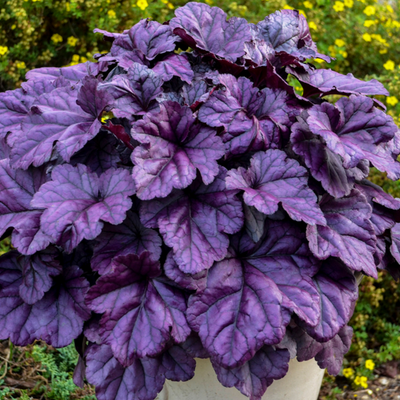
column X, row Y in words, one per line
column 178, row 199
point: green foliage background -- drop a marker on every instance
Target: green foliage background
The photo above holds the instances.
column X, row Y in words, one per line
column 363, row 36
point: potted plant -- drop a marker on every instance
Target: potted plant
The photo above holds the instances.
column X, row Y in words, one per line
column 179, row 199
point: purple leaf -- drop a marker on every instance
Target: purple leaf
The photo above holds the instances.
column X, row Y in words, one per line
column 130, row 237
column 193, row 93
column 187, row 281
column 338, row 291
column 142, row 380
column 77, row 200
column 207, row 28
column 134, row 93
column 174, row 65
column 57, row 318
column 239, row 311
column 254, row 222
column 326, row 81
column 274, row 178
column 99, row 154
column 195, row 226
column 141, row 313
column 17, row 188
column 173, row 147
column 356, row 130
column 178, row 364
column 348, row 235
column 395, row 246
column 56, row 117
column 253, row 378
column 37, row 271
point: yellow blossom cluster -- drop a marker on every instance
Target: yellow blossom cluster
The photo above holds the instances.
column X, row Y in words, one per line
column 72, row 41
column 3, row 50
column 56, row 38
column 361, row 381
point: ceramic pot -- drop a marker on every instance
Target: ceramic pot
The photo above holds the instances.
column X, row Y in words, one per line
column 302, row 382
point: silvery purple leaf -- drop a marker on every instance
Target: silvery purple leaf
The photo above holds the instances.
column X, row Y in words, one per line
column 196, row 226
column 174, row 65
column 173, row 147
column 348, row 234
column 37, row 273
column 99, row 154
column 206, row 28
column 134, row 93
column 383, row 206
column 325, row 166
column 130, row 237
column 254, row 222
column 17, row 188
column 77, row 200
column 338, row 291
column 57, row 318
column 238, row 313
column 142, row 380
column 326, row 81
column 395, row 246
column 141, row 313
column 356, row 130
column 253, row 377
column 187, row 281
column 274, row 178
column 56, row 117
column 194, row 92
column 178, row 364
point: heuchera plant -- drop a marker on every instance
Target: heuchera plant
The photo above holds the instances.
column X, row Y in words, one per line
column 216, row 214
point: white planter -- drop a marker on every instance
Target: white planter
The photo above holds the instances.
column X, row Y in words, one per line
column 302, row 382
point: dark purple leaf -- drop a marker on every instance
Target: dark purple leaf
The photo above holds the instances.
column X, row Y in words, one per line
column 274, row 178
column 56, row 117
column 121, row 132
column 77, row 200
column 99, row 154
column 173, row 147
column 57, row 318
column 238, row 312
column 326, row 81
column 338, row 292
column 178, row 364
column 348, row 235
column 193, row 93
column 134, row 93
column 207, row 28
column 253, row 378
column 174, row 65
column 37, row 271
column 130, row 237
column 395, row 246
column 356, row 130
column 195, row 226
column 142, row 380
column 254, row 222
column 141, row 313
column 17, row 188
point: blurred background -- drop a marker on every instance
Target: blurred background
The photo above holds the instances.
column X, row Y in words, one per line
column 363, row 36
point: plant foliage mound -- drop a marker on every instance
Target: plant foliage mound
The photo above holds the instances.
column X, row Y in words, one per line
column 216, row 213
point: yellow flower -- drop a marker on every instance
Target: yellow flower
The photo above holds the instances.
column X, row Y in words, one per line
column 369, row 23
column 171, row 6
column 340, row 42
column 13, row 27
column 209, row 2
column 313, row 25
column 287, row 7
column 319, row 60
column 338, row 6
column 233, row 6
column 3, row 50
column 343, row 53
column 111, row 13
column 369, row 10
column 75, row 58
column 83, row 59
column 396, row 24
column 20, row 65
column 389, row 8
column 367, row 37
column 389, row 65
column 142, row 4
column 391, row 100
column 303, row 13
column 348, row 372
column 349, row 3
column 361, row 381
column 369, row 364
column 67, row 7
column 104, row 119
column 56, row 38
column 72, row 41
column 307, row 4
column 384, row 51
